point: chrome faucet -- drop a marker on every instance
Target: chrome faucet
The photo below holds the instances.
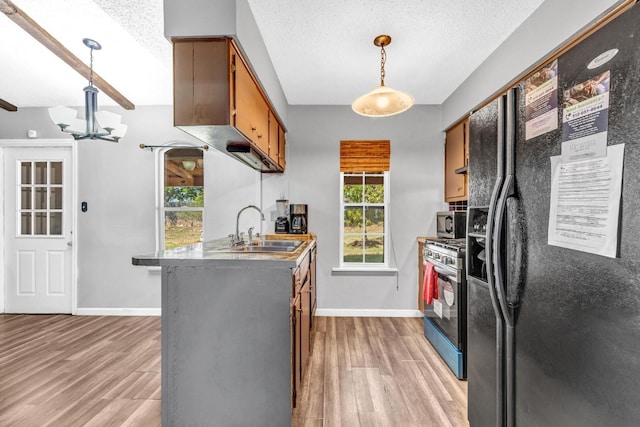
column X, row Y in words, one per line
column 235, row 240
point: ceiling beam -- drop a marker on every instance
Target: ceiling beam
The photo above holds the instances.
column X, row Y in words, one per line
column 37, row 32
column 7, row 105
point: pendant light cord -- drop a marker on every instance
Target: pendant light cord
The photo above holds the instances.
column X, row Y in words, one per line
column 91, row 67
column 383, row 59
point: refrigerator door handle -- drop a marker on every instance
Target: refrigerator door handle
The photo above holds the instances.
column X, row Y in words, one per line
column 508, row 190
column 500, row 378
column 499, row 265
column 497, row 188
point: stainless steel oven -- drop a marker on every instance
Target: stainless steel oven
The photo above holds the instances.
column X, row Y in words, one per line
column 445, row 305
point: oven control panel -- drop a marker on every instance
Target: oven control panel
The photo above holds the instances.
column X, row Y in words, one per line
column 448, row 257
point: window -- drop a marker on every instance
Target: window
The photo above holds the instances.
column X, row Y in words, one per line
column 364, row 207
column 364, row 203
column 182, row 209
column 40, row 194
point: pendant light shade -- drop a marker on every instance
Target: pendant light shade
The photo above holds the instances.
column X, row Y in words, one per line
column 382, row 101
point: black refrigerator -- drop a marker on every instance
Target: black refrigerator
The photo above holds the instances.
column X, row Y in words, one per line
column 554, row 330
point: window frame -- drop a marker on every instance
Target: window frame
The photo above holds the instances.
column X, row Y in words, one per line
column 386, row 233
column 161, row 209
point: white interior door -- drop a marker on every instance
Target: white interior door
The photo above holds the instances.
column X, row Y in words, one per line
column 38, row 219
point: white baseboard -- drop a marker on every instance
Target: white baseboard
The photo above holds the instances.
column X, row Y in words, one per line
column 118, row 312
column 348, row 312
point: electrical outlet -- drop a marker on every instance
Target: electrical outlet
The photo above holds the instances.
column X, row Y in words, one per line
column 274, row 215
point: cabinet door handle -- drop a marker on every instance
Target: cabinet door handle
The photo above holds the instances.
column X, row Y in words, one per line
column 253, row 128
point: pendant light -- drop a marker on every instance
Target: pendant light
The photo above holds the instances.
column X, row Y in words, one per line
column 382, row 101
column 103, row 125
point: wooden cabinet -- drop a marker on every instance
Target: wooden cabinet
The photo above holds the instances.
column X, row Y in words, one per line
column 215, row 90
column 281, row 148
column 302, row 306
column 456, row 159
column 312, row 270
column 296, row 347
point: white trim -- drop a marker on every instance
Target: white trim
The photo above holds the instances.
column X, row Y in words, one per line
column 36, row 143
column 364, row 269
column 2, row 227
column 118, row 311
column 74, row 229
column 387, row 224
column 352, row 312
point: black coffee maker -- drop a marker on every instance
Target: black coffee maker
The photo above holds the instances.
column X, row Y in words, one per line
column 298, row 214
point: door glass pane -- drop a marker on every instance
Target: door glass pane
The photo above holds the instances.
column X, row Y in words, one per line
column 41, row 223
column 352, row 190
column 352, row 248
column 56, row 173
column 56, row 224
column 25, row 198
column 41, row 172
column 374, row 248
column 25, row 224
column 182, row 228
column 56, row 198
column 41, row 198
column 25, row 172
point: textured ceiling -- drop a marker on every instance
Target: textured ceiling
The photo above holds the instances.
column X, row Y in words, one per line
column 322, row 51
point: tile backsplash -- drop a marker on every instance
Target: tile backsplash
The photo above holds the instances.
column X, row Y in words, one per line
column 458, row 206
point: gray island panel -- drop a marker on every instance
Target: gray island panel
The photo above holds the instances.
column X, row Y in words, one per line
column 226, row 346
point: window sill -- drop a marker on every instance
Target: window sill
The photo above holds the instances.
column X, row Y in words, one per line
column 365, row 271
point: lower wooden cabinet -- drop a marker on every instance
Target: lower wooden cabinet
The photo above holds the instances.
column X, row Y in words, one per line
column 302, row 306
column 296, row 348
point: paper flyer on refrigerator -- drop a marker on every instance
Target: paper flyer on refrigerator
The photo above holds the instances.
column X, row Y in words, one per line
column 585, row 118
column 585, row 203
column 541, row 101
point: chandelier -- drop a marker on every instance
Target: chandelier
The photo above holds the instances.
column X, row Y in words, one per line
column 103, row 125
column 383, row 100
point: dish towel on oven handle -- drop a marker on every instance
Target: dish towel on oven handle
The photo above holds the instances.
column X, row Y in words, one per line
column 430, row 283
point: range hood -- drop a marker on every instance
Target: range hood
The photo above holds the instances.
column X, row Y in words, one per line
column 233, row 143
column 246, row 153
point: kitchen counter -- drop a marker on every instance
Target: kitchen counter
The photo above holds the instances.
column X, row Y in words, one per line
column 226, row 334
column 212, row 252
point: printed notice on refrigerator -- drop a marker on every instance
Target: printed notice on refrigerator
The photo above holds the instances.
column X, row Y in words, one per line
column 541, row 99
column 585, row 203
column 585, row 119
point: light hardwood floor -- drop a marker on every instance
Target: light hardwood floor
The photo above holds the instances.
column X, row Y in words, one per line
column 378, row 372
column 60, row 370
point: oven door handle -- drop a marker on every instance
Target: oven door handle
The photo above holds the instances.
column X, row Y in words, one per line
column 452, row 276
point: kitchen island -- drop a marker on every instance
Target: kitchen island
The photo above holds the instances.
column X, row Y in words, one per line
column 228, row 338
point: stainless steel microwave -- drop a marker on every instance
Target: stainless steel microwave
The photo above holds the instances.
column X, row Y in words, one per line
column 451, row 224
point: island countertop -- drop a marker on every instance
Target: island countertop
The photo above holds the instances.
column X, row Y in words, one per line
column 214, row 252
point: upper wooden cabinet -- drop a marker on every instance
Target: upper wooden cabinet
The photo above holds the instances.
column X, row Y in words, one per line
column 219, row 100
column 456, row 159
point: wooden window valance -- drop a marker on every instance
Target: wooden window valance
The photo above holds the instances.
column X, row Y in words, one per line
column 365, row 156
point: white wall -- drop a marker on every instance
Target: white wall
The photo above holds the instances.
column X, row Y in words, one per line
column 553, row 23
column 312, row 177
column 118, row 183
